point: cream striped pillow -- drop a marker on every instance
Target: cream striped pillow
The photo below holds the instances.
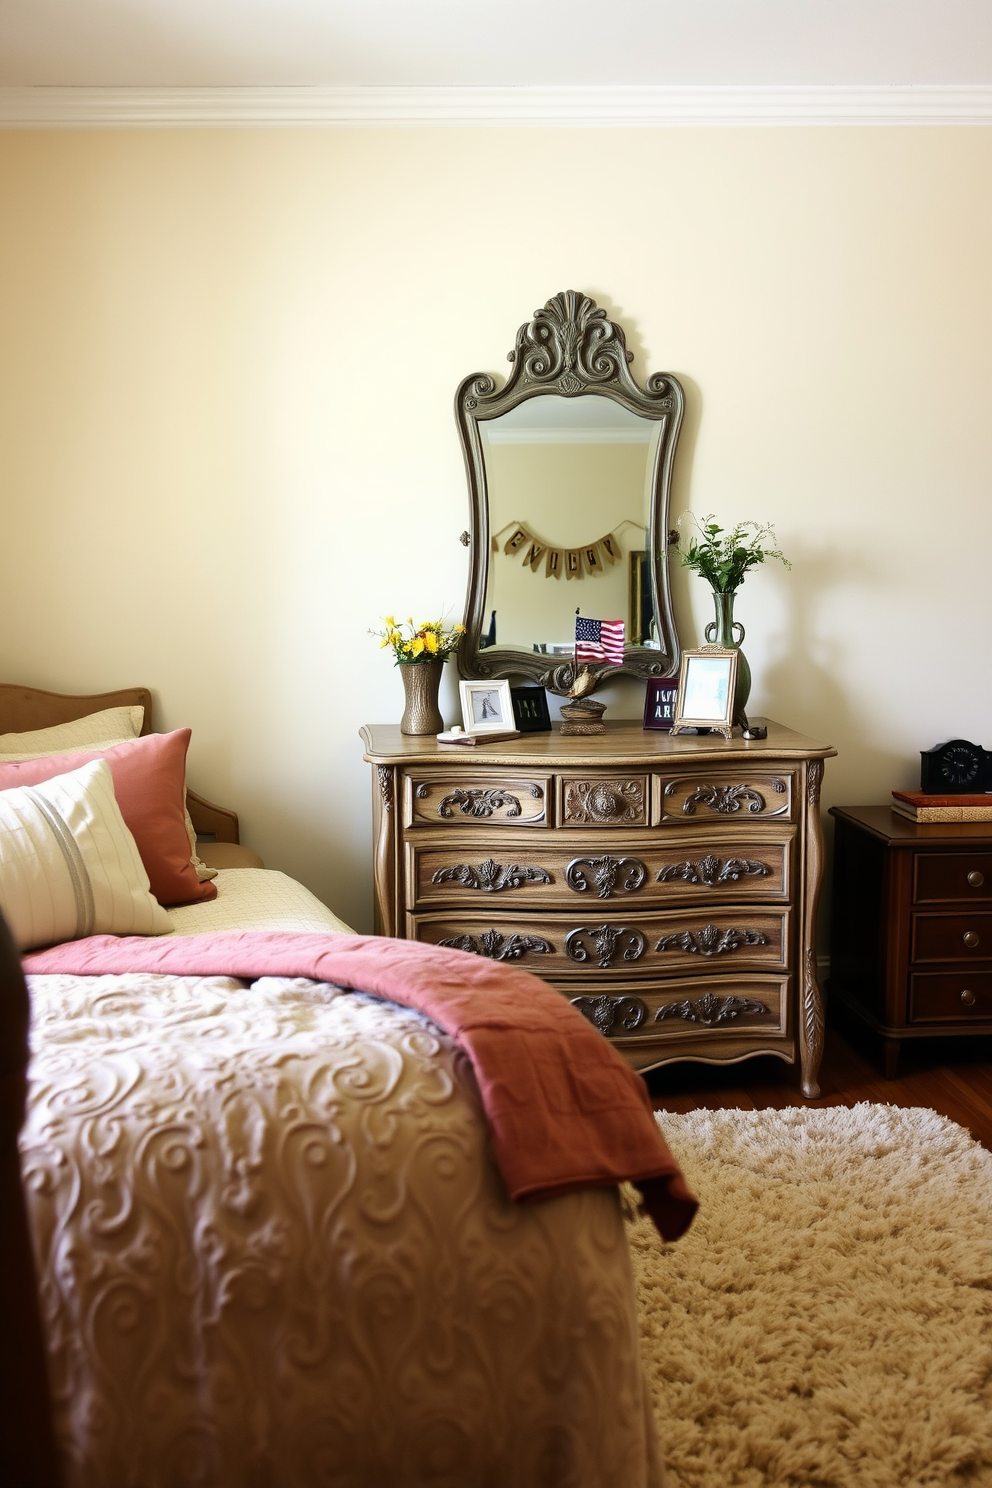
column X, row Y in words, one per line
column 68, row 864
column 95, row 731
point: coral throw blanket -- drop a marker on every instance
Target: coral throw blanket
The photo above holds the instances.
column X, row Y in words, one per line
column 564, row 1109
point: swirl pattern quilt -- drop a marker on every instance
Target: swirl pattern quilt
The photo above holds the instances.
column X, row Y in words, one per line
column 275, row 1251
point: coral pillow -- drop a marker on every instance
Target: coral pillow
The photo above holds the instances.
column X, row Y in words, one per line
column 149, row 776
column 68, row 864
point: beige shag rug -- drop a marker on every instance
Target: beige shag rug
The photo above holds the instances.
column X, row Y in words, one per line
column 827, row 1321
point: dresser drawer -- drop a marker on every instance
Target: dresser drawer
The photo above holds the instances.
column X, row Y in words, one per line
column 741, row 796
column 604, row 800
column 473, row 800
column 957, row 875
column 950, row 997
column 951, row 937
column 533, row 871
column 682, row 1009
column 560, row 945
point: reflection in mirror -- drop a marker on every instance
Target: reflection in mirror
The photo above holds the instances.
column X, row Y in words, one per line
column 569, row 470
column 569, row 508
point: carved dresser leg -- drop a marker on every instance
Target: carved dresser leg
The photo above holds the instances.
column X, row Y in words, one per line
column 810, row 1001
column 385, row 851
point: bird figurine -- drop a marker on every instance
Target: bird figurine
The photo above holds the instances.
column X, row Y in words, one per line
column 583, row 715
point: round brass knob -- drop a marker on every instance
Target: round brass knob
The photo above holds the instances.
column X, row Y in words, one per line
column 968, row 997
column 970, row 938
column 976, row 879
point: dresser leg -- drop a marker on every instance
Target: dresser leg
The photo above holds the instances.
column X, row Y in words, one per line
column 810, row 1001
column 384, row 817
column 810, row 1027
column 891, row 1049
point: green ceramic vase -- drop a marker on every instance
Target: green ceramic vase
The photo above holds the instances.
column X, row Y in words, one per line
column 721, row 632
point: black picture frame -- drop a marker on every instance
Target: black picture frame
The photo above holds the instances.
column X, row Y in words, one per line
column 530, row 710
column 659, row 702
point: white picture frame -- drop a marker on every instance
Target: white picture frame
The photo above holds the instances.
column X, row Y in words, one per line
column 487, row 707
column 707, row 682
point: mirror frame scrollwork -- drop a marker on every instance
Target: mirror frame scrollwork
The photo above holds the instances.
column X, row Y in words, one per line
column 572, row 349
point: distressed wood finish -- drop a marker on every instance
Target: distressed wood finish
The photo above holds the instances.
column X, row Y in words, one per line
column 635, row 871
column 667, row 886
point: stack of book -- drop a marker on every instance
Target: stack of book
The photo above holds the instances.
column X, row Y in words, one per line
column 920, row 807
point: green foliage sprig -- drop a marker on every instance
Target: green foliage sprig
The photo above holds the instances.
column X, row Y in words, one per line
column 724, row 556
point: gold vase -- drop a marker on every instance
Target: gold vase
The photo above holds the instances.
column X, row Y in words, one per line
column 421, row 682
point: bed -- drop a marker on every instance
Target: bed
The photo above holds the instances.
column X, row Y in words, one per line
column 315, row 1208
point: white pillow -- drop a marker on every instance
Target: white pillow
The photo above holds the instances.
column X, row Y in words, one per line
column 68, row 864
column 95, row 731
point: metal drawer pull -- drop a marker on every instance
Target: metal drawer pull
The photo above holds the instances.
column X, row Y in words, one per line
column 970, row 938
column 968, row 997
column 976, row 879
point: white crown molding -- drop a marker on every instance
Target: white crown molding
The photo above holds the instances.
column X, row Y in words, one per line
column 592, row 107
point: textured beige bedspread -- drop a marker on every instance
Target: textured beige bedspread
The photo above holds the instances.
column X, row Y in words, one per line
column 275, row 1252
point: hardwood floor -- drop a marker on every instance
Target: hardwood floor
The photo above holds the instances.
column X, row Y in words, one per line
column 952, row 1076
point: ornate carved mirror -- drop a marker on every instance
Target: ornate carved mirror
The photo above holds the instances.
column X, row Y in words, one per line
column 569, row 468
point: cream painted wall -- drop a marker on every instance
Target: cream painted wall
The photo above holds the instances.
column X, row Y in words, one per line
column 227, row 447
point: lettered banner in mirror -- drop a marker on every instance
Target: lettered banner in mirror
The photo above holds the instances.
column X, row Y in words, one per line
column 574, row 563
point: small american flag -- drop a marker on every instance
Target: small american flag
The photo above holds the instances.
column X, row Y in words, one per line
column 599, row 640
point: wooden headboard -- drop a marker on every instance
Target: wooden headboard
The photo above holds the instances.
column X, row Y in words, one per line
column 23, row 709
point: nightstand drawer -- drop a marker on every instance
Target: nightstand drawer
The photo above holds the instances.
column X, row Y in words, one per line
column 950, row 997
column 952, row 937
column 712, row 795
column 944, row 876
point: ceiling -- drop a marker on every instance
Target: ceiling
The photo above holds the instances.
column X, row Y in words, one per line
column 516, row 43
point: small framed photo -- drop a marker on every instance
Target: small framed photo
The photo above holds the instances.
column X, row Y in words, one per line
column 530, row 710
column 487, row 707
column 707, row 679
column 659, row 702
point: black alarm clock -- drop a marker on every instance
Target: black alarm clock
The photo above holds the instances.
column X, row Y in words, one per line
column 957, row 768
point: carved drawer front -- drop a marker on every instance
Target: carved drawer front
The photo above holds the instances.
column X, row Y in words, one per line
column 736, row 796
column 560, row 945
column 725, row 867
column 941, row 876
column 952, row 937
column 476, row 801
column 741, row 936
column 683, row 1009
column 950, row 997
column 597, row 800
column 630, row 873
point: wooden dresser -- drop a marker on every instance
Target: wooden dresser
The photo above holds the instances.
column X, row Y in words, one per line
column 911, row 947
column 667, row 886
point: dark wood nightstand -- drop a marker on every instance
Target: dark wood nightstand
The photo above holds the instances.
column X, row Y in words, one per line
column 911, row 945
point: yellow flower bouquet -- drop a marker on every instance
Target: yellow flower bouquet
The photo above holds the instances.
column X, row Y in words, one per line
column 431, row 640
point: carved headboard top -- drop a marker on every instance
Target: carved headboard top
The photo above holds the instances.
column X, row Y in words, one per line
column 23, row 709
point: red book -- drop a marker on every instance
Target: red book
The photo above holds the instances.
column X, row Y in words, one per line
column 920, row 798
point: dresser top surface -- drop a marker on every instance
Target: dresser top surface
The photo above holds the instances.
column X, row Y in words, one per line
column 624, row 742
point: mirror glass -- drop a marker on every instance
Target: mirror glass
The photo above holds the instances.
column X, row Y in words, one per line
column 569, row 483
column 569, row 469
